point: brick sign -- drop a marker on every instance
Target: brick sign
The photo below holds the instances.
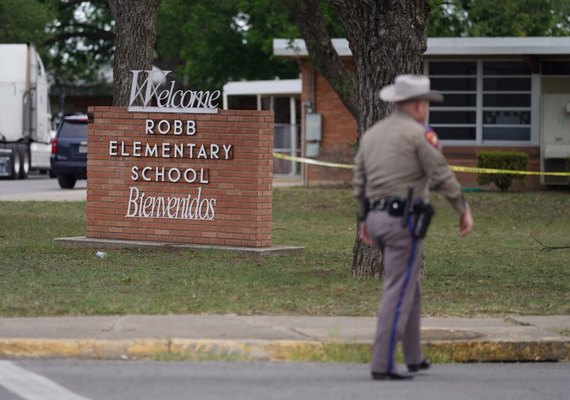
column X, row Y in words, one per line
column 181, row 178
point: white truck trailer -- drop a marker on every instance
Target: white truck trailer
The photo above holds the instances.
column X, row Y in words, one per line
column 25, row 117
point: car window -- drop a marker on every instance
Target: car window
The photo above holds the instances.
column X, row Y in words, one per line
column 73, row 129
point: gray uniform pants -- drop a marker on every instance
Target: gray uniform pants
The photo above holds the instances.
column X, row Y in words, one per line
column 399, row 312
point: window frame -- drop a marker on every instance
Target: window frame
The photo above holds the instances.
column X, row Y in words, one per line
column 535, row 88
column 460, row 108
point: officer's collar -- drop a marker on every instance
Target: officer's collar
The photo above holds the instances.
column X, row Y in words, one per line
column 399, row 113
column 403, row 114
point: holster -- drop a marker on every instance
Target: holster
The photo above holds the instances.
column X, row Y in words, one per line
column 424, row 213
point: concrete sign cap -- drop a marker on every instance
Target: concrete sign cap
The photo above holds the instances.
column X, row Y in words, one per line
column 408, row 87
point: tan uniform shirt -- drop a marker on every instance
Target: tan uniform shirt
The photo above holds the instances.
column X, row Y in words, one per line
column 398, row 153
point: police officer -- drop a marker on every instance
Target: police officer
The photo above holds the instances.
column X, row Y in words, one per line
column 398, row 160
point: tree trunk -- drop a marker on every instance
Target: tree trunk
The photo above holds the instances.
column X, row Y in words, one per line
column 366, row 261
column 387, row 38
column 135, row 26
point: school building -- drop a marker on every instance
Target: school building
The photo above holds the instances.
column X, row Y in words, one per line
column 500, row 94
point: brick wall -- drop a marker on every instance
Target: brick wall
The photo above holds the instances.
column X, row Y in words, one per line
column 338, row 129
column 235, row 189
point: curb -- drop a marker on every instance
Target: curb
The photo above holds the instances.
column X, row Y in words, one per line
column 501, row 351
column 275, row 350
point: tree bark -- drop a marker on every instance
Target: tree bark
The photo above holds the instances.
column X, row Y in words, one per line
column 387, row 38
column 366, row 261
column 135, row 26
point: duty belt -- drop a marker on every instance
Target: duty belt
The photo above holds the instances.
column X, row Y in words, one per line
column 394, row 206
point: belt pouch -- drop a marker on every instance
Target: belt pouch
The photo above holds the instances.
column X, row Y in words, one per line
column 395, row 207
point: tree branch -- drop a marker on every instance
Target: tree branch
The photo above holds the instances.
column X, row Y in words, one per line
column 548, row 248
column 322, row 53
column 88, row 32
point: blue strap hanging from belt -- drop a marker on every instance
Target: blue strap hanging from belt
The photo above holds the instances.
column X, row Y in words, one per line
column 409, row 269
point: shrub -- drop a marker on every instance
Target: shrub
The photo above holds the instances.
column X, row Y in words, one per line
column 501, row 160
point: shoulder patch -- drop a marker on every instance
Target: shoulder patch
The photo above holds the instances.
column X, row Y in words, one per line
column 432, row 138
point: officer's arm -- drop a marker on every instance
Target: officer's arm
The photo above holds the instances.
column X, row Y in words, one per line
column 442, row 178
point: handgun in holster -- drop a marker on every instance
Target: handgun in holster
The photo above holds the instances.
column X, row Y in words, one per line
column 423, row 213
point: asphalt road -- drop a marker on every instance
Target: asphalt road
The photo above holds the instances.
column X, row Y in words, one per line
column 40, row 188
column 148, row 380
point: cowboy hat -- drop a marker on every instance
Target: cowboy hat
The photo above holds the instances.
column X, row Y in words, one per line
column 408, row 87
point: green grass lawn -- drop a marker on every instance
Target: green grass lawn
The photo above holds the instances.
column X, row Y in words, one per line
column 498, row 269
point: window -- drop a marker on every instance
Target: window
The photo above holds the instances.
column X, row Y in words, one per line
column 485, row 101
column 505, row 68
column 556, row 67
column 506, row 101
column 73, row 129
column 456, row 117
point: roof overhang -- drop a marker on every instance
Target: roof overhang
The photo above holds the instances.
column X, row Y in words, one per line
column 473, row 46
column 296, row 48
column 272, row 87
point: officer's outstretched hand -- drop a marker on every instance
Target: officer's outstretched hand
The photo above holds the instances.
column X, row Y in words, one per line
column 363, row 234
column 465, row 223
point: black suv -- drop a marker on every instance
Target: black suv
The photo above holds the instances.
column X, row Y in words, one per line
column 69, row 151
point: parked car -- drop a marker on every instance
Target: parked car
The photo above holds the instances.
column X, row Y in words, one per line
column 69, row 151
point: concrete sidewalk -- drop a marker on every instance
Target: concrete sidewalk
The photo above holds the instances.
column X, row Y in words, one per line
column 276, row 338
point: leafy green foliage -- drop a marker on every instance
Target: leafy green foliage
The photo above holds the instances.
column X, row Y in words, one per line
column 80, row 44
column 23, row 21
column 499, row 18
column 209, row 43
column 516, row 161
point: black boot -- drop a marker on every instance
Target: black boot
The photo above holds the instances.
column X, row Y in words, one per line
column 394, row 376
column 425, row 364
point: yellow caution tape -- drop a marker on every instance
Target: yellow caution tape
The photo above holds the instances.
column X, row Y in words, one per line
column 474, row 170
column 312, row 162
column 455, row 168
